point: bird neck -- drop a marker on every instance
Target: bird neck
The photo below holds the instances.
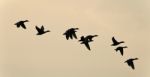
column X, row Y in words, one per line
column 121, row 42
column 47, row 31
column 125, row 47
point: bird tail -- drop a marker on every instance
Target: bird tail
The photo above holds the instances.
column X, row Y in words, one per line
column 125, row 61
column 116, row 50
column 15, row 23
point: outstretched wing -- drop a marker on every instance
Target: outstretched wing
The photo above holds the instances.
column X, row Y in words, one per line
column 87, row 45
column 74, row 35
column 71, row 36
column 114, row 40
column 131, row 65
column 121, row 51
column 67, row 36
column 42, row 28
column 23, row 26
column 37, row 28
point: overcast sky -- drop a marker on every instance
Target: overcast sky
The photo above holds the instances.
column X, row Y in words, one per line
column 23, row 54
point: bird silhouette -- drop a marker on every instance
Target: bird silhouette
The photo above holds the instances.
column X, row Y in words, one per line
column 21, row 23
column 85, row 41
column 90, row 37
column 130, row 62
column 120, row 48
column 70, row 33
column 115, row 42
column 41, row 30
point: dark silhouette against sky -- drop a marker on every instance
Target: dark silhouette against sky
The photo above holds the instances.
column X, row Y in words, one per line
column 121, row 49
column 21, row 23
column 41, row 30
column 130, row 62
column 90, row 37
column 115, row 42
column 86, row 40
column 71, row 33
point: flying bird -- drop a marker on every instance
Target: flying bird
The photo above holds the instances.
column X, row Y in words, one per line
column 85, row 41
column 90, row 37
column 130, row 62
column 115, row 42
column 70, row 33
column 41, row 30
column 21, row 23
column 120, row 48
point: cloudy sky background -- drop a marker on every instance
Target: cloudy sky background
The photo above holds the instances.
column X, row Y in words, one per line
column 23, row 54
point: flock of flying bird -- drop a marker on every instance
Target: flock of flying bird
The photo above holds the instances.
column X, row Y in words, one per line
column 71, row 33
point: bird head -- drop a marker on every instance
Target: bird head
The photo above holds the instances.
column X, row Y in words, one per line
column 76, row 28
column 26, row 21
column 135, row 58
